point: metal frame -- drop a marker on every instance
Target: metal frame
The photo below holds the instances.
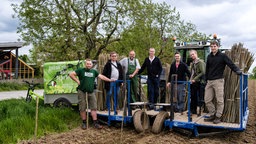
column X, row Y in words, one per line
column 193, row 126
column 114, row 116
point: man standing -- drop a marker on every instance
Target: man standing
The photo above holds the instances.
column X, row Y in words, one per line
column 154, row 69
column 112, row 70
column 86, row 77
column 197, row 80
column 215, row 66
column 181, row 70
column 131, row 67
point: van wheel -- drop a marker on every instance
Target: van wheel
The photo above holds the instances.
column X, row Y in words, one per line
column 158, row 124
column 62, row 102
column 141, row 121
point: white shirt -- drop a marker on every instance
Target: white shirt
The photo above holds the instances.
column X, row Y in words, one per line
column 114, row 71
column 151, row 59
column 124, row 63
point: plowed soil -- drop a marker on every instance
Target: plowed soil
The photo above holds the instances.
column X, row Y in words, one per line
column 112, row 135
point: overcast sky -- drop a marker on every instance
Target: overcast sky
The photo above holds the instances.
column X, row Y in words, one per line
column 232, row 20
column 8, row 25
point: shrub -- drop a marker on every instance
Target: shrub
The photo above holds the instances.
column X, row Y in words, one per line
column 16, row 86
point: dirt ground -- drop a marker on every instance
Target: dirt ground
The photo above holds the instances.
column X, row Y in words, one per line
column 113, row 135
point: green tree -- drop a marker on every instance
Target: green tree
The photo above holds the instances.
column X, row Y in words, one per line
column 253, row 75
column 24, row 57
column 57, row 27
column 154, row 25
column 65, row 27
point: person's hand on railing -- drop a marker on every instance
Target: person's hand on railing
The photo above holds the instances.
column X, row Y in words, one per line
column 192, row 81
column 239, row 72
column 168, row 84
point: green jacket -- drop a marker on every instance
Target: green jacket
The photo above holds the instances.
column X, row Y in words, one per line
column 198, row 66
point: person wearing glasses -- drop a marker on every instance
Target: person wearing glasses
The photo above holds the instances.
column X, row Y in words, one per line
column 112, row 70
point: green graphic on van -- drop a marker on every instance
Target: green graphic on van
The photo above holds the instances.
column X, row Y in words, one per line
column 56, row 77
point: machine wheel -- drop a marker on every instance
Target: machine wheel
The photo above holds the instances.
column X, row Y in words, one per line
column 62, row 102
column 141, row 121
column 158, row 124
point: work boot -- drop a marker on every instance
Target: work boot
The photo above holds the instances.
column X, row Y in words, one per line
column 193, row 111
column 209, row 119
column 217, row 120
column 97, row 125
column 84, row 126
column 150, row 107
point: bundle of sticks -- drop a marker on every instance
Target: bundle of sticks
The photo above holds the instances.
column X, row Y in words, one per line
column 101, row 95
column 243, row 59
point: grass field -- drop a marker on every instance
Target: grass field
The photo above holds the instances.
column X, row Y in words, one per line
column 17, row 120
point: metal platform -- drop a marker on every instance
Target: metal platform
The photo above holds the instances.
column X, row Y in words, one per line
column 185, row 121
column 193, row 122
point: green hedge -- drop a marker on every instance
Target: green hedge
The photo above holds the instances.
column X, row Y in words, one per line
column 16, row 86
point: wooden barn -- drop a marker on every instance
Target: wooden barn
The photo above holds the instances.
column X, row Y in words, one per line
column 12, row 67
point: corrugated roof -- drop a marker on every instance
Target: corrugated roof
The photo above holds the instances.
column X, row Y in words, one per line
column 10, row 45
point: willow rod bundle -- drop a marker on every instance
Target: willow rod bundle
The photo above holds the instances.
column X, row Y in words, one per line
column 141, row 92
column 243, row 59
column 167, row 92
column 101, row 97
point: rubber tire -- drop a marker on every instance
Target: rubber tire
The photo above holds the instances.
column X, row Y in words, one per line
column 158, row 124
column 62, row 102
column 138, row 121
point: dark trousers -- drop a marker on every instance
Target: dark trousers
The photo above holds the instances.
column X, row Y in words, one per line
column 197, row 96
column 162, row 86
column 153, row 89
column 195, row 89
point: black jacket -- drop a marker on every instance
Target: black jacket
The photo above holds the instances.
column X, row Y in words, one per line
column 215, row 66
column 154, row 69
column 107, row 72
column 182, row 71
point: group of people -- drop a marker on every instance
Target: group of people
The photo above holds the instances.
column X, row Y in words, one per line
column 179, row 73
column 208, row 77
column 207, row 81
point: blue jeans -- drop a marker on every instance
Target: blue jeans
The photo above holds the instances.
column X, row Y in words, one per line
column 153, row 89
column 180, row 97
column 111, row 93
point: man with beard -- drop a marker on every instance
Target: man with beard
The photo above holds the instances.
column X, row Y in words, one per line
column 131, row 67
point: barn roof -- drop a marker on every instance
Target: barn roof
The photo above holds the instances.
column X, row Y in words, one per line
column 10, row 45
